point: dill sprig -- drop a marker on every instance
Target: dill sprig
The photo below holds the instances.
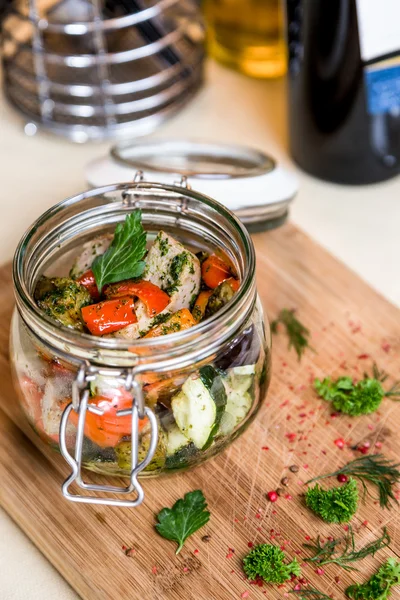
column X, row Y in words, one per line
column 324, row 554
column 298, row 334
column 310, row 593
column 374, row 469
column 382, row 376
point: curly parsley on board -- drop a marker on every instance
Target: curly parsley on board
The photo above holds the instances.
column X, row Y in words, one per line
column 375, row 469
column 266, row 561
column 337, row 505
column 380, row 585
column 356, row 398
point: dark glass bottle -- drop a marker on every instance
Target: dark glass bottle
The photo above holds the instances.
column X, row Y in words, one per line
column 344, row 88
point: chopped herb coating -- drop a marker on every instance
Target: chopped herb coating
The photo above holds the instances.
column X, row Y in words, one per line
column 380, row 584
column 337, row 505
column 222, row 294
column 267, row 561
column 177, row 264
column 62, row 298
column 163, row 245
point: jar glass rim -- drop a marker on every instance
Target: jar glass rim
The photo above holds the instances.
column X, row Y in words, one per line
column 77, row 343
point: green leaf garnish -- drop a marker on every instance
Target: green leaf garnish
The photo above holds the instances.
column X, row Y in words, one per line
column 337, row 505
column 325, row 554
column 124, row 258
column 375, row 469
column 268, row 562
column 185, row 517
column 354, row 399
column 380, row 584
column 298, row 334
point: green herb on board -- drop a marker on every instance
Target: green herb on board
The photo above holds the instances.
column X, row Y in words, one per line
column 124, row 257
column 337, row 505
column 186, row 516
column 298, row 334
column 354, row 399
column 327, row 553
column 267, row 561
column 374, row 469
column 380, row 585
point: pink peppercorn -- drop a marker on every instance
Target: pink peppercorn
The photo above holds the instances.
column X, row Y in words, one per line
column 342, row 478
column 340, row 443
column 272, row 496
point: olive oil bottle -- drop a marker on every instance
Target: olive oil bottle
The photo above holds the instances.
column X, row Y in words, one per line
column 248, row 35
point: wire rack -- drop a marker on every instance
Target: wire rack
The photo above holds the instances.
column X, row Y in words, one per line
column 98, row 69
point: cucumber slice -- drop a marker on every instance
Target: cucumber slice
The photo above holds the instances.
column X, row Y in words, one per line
column 199, row 406
column 183, row 458
column 175, row 440
column 213, row 382
column 239, row 390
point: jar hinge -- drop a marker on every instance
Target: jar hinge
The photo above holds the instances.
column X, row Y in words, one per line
column 81, row 404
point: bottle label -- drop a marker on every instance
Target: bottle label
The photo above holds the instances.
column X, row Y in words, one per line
column 383, row 86
column 379, row 27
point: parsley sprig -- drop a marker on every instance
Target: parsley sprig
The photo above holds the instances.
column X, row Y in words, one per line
column 354, row 399
column 380, row 584
column 336, row 505
column 375, row 469
column 326, row 553
column 185, row 517
column 298, row 334
column 124, row 257
column 267, row 562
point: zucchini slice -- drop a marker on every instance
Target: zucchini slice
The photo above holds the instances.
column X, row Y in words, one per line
column 199, row 406
column 240, row 397
column 175, row 440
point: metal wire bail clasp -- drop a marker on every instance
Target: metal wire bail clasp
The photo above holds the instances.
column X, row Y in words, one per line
column 81, row 404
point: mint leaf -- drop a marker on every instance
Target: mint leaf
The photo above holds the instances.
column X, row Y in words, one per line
column 185, row 517
column 123, row 259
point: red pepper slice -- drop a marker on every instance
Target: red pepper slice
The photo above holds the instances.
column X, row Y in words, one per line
column 150, row 294
column 106, row 430
column 214, row 271
column 89, row 282
column 109, row 316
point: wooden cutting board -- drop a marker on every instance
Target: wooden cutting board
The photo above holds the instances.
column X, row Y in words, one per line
column 351, row 326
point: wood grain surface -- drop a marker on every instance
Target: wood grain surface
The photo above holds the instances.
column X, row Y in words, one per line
column 351, row 326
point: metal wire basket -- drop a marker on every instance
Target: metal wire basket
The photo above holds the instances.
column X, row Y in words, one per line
column 98, row 69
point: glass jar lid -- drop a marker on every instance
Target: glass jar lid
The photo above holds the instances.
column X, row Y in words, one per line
column 244, row 179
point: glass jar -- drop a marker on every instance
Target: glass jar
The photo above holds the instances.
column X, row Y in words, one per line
column 106, row 403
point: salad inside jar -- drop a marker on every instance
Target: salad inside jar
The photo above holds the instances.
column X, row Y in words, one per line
column 121, row 287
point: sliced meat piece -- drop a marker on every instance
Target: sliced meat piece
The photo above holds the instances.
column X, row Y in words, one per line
column 130, row 332
column 90, row 250
column 175, row 270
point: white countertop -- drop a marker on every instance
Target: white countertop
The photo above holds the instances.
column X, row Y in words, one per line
column 360, row 225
